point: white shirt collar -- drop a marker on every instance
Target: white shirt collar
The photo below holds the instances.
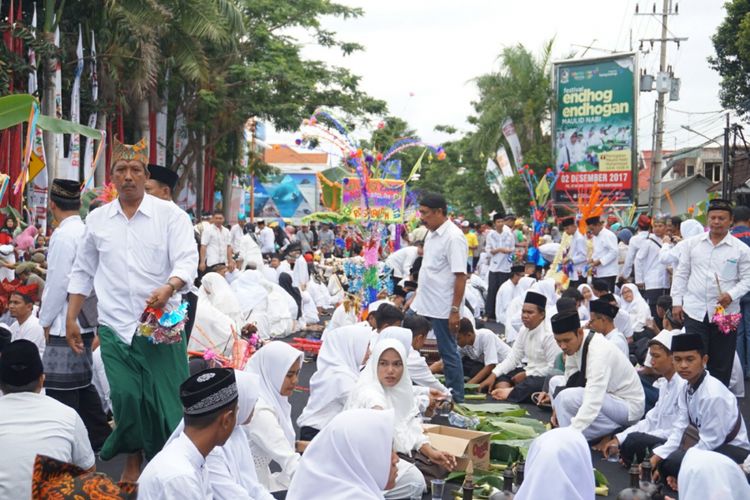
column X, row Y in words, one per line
column 146, row 207
column 707, row 237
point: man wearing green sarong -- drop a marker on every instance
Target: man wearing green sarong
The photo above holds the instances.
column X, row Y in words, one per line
column 138, row 251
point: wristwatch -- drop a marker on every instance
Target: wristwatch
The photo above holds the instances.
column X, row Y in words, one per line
column 454, row 309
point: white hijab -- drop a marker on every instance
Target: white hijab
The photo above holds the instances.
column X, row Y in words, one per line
column 558, row 466
column 271, row 364
column 370, row 393
column 690, row 228
column 399, row 333
column 707, row 475
column 339, row 361
column 547, row 288
column 637, row 309
column 217, row 290
column 581, row 288
column 350, row 458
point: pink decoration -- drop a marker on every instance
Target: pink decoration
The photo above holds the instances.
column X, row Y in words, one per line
column 726, row 322
column 371, row 255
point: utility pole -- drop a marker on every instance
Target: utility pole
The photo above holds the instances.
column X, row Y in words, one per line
column 663, row 86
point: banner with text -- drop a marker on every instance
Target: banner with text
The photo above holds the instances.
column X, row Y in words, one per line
column 385, row 199
column 595, row 127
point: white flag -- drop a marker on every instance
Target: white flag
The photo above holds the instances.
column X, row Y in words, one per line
column 75, row 114
column 88, row 156
column 509, row 131
column 502, row 159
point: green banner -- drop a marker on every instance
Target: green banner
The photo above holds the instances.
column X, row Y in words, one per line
column 595, row 127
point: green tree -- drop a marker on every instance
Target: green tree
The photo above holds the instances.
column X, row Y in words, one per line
column 732, row 61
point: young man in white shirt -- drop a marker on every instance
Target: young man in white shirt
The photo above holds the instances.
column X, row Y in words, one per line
column 209, row 399
column 26, row 325
column 401, row 261
column 604, row 256
column 68, row 375
column 534, row 343
column 216, row 245
column 574, row 259
column 500, row 245
column 138, row 251
column 481, row 351
column 603, row 391
column 714, row 270
column 266, row 238
column 602, row 321
column 442, row 282
column 656, row 426
column 650, row 274
column 704, row 403
column 33, row 424
column 507, row 292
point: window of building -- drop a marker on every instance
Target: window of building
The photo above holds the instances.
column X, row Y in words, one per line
column 689, row 170
column 712, row 171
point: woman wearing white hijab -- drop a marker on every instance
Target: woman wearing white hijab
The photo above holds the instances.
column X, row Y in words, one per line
column 636, row 307
column 383, row 385
column 271, row 433
column 558, row 466
column 230, row 467
column 352, row 458
column 584, row 312
column 339, row 361
column 707, row 475
column 217, row 313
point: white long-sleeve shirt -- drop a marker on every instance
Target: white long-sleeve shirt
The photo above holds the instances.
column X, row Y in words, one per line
column 177, row 471
column 500, row 262
column 578, row 254
column 401, row 261
column 649, row 269
column 61, row 255
column 538, row 346
column 605, row 251
column 269, row 443
column 267, row 240
column 505, row 295
column 487, row 348
column 694, row 284
column 618, row 339
column 232, row 472
column 713, row 410
column 125, row 260
column 633, row 245
column 608, row 371
column 659, row 419
column 421, row 374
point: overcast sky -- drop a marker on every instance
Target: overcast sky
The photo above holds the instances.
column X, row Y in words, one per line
column 434, row 48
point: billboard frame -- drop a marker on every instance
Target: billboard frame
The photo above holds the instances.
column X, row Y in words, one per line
column 636, row 102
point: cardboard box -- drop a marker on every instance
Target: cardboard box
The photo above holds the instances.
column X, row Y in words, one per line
column 463, row 444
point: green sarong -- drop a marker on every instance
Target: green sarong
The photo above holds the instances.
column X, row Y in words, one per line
column 144, row 381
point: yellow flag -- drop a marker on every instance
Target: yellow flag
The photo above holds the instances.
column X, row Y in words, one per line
column 542, row 191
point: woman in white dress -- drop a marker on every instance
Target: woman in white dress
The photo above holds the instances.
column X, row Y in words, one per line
column 352, row 458
column 270, row 433
column 340, row 358
column 383, row 385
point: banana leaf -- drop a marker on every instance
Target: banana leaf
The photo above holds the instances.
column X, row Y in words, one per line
column 16, row 109
column 471, row 387
column 481, row 478
column 509, row 450
column 599, row 478
column 494, row 409
column 502, row 431
column 535, row 424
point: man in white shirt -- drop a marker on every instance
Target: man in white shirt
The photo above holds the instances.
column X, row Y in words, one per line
column 442, row 281
column 607, row 394
column 535, row 344
column 137, row 252
column 33, row 424
column 656, row 426
column 650, row 274
column 236, row 233
column 401, row 261
column 575, row 257
column 266, row 238
column 704, row 403
column 209, row 399
column 216, row 245
column 604, row 257
column 305, row 238
column 480, row 350
column 68, row 375
column 507, row 292
column 634, row 244
column 714, row 270
column 500, row 246
column 602, row 321
column 26, row 325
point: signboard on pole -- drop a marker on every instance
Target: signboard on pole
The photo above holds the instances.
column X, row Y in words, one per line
column 594, row 127
column 384, row 199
